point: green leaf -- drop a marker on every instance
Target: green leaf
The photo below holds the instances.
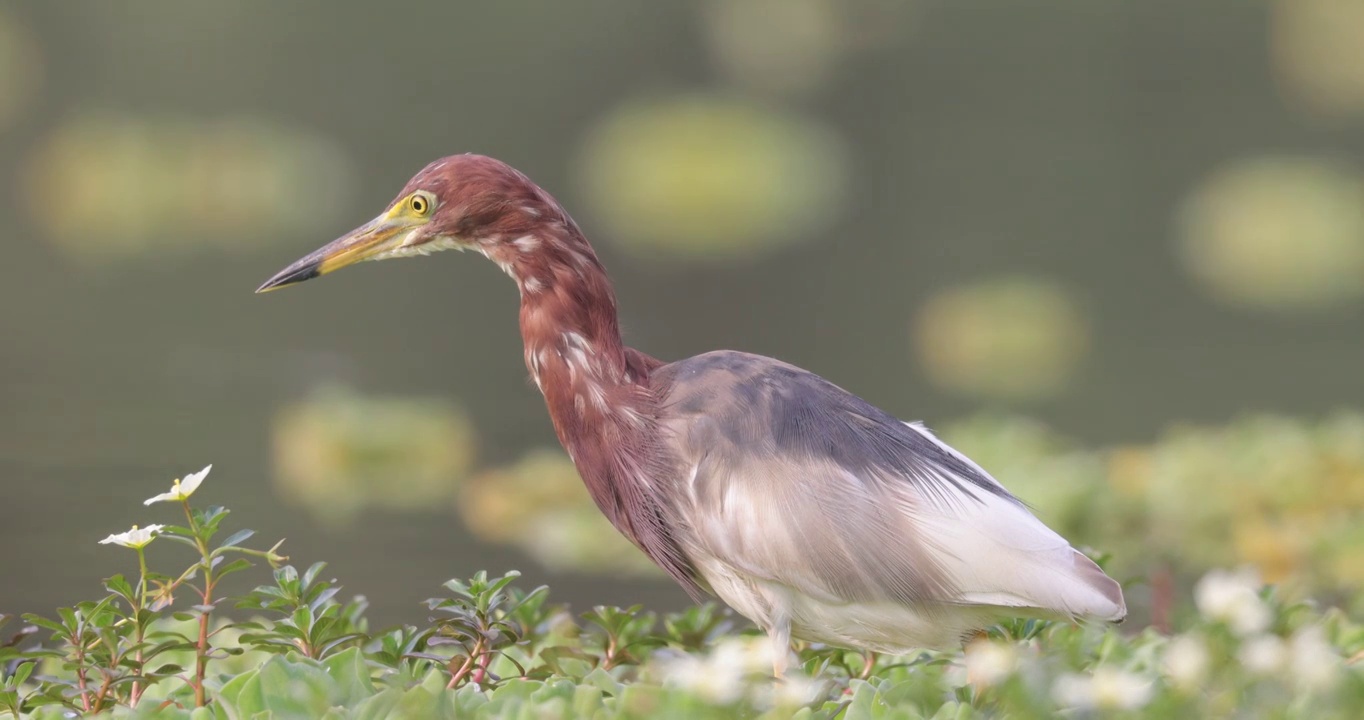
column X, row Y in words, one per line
column 568, row 661
column 380, row 706
column 418, row 703
column 351, row 673
column 587, row 701
column 21, row 673
column 236, row 538
column 290, row 688
column 235, row 566
column 312, row 572
column 240, row 697
column 119, row 586
column 45, row 624
column 603, row 681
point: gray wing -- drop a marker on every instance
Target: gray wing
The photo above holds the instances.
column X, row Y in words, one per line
column 793, row 480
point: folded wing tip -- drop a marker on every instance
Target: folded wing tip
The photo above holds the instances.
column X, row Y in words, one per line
column 1112, row 605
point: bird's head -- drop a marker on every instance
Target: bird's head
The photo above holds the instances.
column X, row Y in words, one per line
column 455, row 203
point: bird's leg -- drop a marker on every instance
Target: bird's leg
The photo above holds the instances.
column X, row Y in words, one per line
column 868, row 663
column 780, row 635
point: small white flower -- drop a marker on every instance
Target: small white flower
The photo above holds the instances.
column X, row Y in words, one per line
column 990, row 663
column 1107, row 689
column 135, row 538
column 181, row 489
column 1262, row 654
column 795, row 690
column 1186, row 662
column 744, row 656
column 732, row 667
column 1316, row 665
column 1233, row 598
column 700, row 676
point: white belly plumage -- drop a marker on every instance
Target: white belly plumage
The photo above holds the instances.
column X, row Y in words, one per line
column 886, row 627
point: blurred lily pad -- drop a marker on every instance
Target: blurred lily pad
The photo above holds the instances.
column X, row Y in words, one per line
column 104, row 186
column 339, row 452
column 539, row 504
column 710, row 179
column 1278, row 233
column 1315, row 47
column 791, row 47
column 1006, row 339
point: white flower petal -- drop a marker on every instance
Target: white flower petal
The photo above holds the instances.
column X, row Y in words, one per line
column 1233, row 598
column 181, row 489
column 1108, row 688
column 163, row 497
column 134, row 538
column 1316, row 665
column 990, row 663
column 1186, row 661
column 1262, row 655
column 192, row 481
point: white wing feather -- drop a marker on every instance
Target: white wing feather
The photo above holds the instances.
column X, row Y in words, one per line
column 1000, row 554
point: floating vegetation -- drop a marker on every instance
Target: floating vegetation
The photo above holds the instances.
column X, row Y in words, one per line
column 1277, row 233
column 539, row 505
column 711, row 179
column 1005, row 339
column 793, row 47
column 339, row 452
column 130, row 185
column 1315, row 46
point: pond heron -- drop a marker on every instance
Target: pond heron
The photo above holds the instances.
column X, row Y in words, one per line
column 808, row 510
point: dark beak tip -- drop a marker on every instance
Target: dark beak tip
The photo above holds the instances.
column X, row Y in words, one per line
column 291, row 275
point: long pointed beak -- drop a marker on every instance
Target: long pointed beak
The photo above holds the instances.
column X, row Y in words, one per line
column 359, row 244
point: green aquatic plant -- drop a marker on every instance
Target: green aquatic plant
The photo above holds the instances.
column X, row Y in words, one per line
column 162, row 645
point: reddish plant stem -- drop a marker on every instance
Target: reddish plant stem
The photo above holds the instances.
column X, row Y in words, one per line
column 482, row 670
column 81, row 682
column 462, row 671
column 201, row 650
column 102, row 693
column 135, row 694
column 1162, row 598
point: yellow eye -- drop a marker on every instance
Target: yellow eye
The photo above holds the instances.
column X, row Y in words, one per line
column 419, row 205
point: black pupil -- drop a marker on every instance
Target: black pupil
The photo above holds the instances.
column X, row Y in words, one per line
column 418, row 204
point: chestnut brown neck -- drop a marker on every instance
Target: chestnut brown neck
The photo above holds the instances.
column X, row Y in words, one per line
column 595, row 388
column 604, row 407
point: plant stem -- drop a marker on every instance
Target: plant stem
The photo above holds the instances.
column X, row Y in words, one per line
column 80, row 675
column 102, row 693
column 476, row 652
column 482, row 670
column 139, row 632
column 201, row 647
